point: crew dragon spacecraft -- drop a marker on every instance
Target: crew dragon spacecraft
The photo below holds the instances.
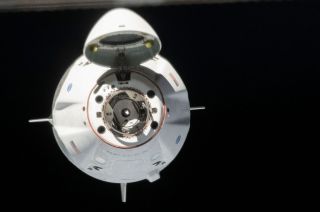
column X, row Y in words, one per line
column 121, row 112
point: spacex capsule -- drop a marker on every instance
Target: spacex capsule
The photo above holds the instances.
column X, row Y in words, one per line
column 121, row 112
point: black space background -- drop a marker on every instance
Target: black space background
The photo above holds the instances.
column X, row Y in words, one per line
column 254, row 66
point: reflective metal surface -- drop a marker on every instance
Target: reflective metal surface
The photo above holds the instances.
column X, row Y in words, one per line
column 30, row 5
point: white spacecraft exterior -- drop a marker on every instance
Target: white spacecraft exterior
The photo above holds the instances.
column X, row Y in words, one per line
column 121, row 112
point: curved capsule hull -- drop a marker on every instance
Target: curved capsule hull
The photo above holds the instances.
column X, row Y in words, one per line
column 87, row 149
column 121, row 112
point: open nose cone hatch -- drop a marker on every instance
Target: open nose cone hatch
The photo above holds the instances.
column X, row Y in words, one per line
column 121, row 43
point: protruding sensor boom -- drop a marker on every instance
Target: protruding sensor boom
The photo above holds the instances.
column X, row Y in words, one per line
column 121, row 112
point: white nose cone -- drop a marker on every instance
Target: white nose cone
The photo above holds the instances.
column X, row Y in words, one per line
column 121, row 37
